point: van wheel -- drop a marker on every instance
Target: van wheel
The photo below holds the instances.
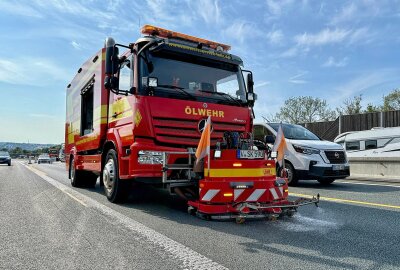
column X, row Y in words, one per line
column 76, row 176
column 115, row 188
column 326, row 181
column 291, row 174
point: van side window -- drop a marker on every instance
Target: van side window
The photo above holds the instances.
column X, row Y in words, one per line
column 260, row 132
column 87, row 108
column 395, row 140
column 352, row 145
column 371, row 144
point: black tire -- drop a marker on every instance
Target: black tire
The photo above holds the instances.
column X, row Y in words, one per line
column 291, row 174
column 116, row 190
column 90, row 179
column 326, row 181
column 76, row 176
column 9, row 163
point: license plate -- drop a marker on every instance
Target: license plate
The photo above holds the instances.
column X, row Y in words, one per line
column 337, row 167
column 250, row 154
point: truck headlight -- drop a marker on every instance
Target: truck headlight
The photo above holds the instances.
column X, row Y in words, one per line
column 149, row 157
column 305, row 150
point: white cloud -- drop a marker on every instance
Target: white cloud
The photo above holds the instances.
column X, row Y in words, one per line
column 362, row 34
column 348, row 13
column 328, row 36
column 31, row 71
column 325, row 36
column 239, row 30
column 76, row 8
column 331, row 62
column 367, row 81
column 291, row 52
column 19, row 9
column 275, row 37
column 275, row 7
column 296, row 79
column 76, row 45
column 261, row 84
column 209, row 10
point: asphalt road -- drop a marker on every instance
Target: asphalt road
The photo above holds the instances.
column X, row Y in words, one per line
column 47, row 224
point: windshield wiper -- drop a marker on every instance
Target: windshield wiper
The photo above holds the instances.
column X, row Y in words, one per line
column 179, row 88
column 225, row 95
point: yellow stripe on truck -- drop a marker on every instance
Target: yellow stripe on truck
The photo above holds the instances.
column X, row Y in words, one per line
column 231, row 172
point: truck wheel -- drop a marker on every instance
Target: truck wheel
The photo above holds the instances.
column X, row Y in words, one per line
column 291, row 174
column 326, row 181
column 114, row 187
column 76, row 176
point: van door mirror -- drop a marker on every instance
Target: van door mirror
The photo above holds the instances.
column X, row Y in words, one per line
column 269, row 139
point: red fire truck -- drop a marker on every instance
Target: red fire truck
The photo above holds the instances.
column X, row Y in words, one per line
column 138, row 117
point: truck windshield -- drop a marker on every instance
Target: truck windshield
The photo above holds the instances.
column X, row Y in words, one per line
column 211, row 82
column 295, row 132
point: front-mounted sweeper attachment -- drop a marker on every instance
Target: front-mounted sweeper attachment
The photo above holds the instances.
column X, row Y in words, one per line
column 238, row 182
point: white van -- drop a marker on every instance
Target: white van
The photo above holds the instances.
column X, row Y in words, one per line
column 307, row 156
column 377, row 142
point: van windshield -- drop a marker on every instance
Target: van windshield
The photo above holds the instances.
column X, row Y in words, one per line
column 295, row 132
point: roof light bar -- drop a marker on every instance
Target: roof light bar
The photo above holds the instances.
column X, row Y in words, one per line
column 164, row 33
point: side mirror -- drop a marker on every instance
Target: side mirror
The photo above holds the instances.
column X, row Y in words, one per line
column 111, row 64
column 269, row 139
column 250, row 82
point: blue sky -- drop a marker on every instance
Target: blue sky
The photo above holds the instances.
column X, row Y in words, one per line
column 328, row 49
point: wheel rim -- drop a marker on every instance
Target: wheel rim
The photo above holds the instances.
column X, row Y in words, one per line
column 289, row 173
column 109, row 176
column 72, row 170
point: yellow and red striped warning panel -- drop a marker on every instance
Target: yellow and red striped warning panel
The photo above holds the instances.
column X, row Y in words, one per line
column 247, row 191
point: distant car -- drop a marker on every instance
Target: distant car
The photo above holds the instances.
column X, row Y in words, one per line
column 44, row 159
column 5, row 158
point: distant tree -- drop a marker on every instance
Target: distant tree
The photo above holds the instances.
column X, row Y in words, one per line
column 372, row 108
column 271, row 118
column 305, row 109
column 392, row 100
column 351, row 106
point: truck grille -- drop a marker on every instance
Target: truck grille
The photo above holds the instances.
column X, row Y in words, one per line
column 335, row 157
column 185, row 132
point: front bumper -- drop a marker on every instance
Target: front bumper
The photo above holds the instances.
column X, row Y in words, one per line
column 5, row 161
column 320, row 172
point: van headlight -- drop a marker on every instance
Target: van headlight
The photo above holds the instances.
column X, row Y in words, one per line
column 305, row 150
column 149, row 157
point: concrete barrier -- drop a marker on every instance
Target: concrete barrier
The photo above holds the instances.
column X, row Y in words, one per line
column 375, row 166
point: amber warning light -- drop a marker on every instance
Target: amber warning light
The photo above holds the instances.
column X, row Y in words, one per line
column 164, row 33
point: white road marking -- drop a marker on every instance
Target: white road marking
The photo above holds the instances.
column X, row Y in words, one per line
column 75, row 198
column 189, row 258
column 368, row 184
